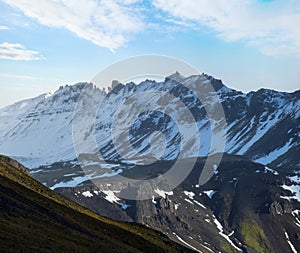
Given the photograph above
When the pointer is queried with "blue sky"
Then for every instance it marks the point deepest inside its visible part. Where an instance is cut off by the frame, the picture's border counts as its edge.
(47, 43)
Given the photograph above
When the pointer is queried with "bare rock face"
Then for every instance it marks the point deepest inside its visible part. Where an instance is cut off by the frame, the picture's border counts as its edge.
(15, 164)
(276, 208)
(279, 208)
(239, 192)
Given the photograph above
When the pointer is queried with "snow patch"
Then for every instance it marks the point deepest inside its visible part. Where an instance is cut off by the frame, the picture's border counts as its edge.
(87, 194)
(187, 200)
(187, 244)
(294, 188)
(210, 193)
(163, 193)
(189, 194)
(290, 243)
(124, 206)
(231, 233)
(272, 171)
(275, 153)
(215, 167)
(72, 183)
(199, 204)
(295, 213)
(153, 200)
(111, 197)
(220, 227)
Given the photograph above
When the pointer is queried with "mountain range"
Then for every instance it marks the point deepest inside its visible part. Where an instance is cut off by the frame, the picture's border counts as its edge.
(250, 202)
(262, 126)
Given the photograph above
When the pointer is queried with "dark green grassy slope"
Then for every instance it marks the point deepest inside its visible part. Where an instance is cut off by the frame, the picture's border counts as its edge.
(36, 219)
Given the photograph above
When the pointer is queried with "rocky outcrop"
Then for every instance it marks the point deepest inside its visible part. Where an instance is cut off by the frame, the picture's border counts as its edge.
(276, 208)
(15, 164)
(279, 208)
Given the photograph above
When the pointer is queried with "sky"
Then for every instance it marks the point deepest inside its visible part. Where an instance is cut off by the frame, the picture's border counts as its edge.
(248, 44)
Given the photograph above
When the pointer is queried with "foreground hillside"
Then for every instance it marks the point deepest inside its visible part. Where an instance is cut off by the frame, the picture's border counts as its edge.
(35, 219)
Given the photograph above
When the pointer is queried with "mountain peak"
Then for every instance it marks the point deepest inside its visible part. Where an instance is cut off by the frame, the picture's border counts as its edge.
(176, 77)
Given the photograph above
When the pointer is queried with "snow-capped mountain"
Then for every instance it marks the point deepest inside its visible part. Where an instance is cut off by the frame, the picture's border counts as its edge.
(263, 126)
(244, 202)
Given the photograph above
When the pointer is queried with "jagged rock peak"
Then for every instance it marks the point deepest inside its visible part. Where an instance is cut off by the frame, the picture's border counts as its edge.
(176, 77)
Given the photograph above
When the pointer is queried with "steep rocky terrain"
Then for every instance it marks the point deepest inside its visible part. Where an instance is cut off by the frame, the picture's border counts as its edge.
(244, 207)
(36, 219)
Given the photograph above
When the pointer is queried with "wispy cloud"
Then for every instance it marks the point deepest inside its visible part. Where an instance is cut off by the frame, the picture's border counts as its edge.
(22, 77)
(3, 27)
(106, 23)
(272, 26)
(17, 52)
(179, 22)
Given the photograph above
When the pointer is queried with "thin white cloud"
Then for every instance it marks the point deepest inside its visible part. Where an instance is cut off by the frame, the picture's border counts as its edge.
(22, 77)
(3, 27)
(272, 26)
(17, 52)
(179, 22)
(106, 23)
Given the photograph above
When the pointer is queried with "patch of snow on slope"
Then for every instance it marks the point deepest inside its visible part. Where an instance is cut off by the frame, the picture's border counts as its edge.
(124, 206)
(189, 194)
(290, 243)
(210, 193)
(231, 144)
(215, 167)
(261, 131)
(87, 194)
(153, 200)
(72, 183)
(187, 200)
(220, 227)
(187, 244)
(199, 204)
(163, 193)
(106, 174)
(295, 213)
(80, 179)
(272, 171)
(294, 188)
(111, 197)
(295, 179)
(274, 154)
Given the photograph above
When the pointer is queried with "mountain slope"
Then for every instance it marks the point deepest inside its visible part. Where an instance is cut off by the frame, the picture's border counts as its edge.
(263, 125)
(36, 219)
(244, 207)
